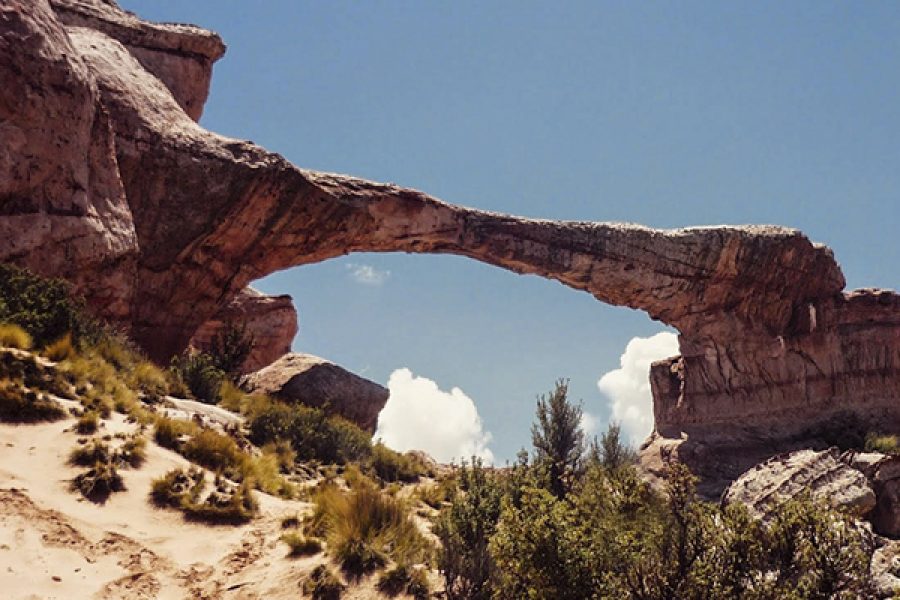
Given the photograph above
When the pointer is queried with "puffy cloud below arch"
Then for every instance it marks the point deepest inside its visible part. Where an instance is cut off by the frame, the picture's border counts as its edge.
(628, 387)
(420, 416)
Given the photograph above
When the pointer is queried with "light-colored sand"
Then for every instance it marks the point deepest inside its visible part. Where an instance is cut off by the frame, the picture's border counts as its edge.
(55, 544)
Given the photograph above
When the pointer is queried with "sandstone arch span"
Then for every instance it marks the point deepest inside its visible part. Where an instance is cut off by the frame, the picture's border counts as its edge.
(109, 180)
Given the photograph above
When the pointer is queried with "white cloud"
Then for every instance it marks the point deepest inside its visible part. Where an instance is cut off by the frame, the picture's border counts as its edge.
(588, 424)
(420, 416)
(367, 274)
(628, 387)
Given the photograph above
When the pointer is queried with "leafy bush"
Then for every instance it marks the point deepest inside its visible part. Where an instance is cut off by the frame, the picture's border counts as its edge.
(465, 529)
(886, 444)
(365, 528)
(312, 434)
(389, 465)
(199, 372)
(20, 405)
(301, 545)
(42, 307)
(230, 347)
(610, 451)
(13, 336)
(323, 584)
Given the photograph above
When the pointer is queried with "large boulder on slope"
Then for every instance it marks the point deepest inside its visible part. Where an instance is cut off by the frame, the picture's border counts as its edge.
(821, 473)
(319, 383)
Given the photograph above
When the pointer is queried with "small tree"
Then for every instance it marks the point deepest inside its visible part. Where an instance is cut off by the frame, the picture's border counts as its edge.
(558, 439)
(230, 347)
(465, 528)
(610, 452)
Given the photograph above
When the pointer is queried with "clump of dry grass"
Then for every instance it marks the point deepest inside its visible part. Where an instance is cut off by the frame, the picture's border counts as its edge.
(183, 490)
(301, 545)
(13, 336)
(88, 423)
(404, 579)
(365, 528)
(323, 584)
(21, 405)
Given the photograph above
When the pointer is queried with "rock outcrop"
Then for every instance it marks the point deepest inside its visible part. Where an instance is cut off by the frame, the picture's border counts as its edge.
(107, 179)
(314, 381)
(270, 320)
(821, 474)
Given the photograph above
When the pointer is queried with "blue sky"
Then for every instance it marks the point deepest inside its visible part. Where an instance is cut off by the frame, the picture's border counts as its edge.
(666, 114)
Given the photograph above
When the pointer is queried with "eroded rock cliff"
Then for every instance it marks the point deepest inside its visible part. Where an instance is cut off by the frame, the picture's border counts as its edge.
(107, 179)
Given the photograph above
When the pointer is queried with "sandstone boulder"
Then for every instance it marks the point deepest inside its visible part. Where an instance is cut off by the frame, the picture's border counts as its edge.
(316, 382)
(270, 320)
(821, 473)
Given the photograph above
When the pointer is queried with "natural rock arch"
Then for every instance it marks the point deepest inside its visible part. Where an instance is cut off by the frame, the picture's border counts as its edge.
(162, 223)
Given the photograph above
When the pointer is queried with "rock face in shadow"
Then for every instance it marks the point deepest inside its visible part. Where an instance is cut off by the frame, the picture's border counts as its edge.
(271, 321)
(316, 382)
(107, 179)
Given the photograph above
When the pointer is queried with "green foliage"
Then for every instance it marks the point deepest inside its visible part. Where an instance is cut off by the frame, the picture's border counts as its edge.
(465, 529)
(390, 465)
(365, 528)
(558, 439)
(200, 374)
(612, 537)
(610, 451)
(886, 444)
(42, 307)
(312, 434)
(301, 545)
(230, 347)
(13, 336)
(323, 584)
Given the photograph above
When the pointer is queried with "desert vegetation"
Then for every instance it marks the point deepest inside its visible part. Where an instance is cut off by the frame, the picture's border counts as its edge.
(564, 523)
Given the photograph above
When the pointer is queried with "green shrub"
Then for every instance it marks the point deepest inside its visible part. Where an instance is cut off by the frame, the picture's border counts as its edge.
(13, 336)
(20, 405)
(230, 347)
(201, 375)
(885, 444)
(323, 584)
(390, 465)
(465, 528)
(301, 545)
(312, 434)
(365, 528)
(42, 307)
(88, 423)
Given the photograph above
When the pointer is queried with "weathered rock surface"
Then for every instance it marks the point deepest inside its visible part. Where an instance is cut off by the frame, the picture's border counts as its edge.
(316, 382)
(823, 474)
(270, 320)
(107, 179)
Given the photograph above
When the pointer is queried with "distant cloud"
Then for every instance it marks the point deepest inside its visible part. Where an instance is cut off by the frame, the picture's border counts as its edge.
(367, 274)
(420, 416)
(628, 387)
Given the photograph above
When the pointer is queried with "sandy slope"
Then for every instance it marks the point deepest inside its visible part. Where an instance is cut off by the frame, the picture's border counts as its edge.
(54, 544)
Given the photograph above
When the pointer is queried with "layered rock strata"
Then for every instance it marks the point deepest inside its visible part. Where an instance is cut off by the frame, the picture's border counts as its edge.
(107, 179)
